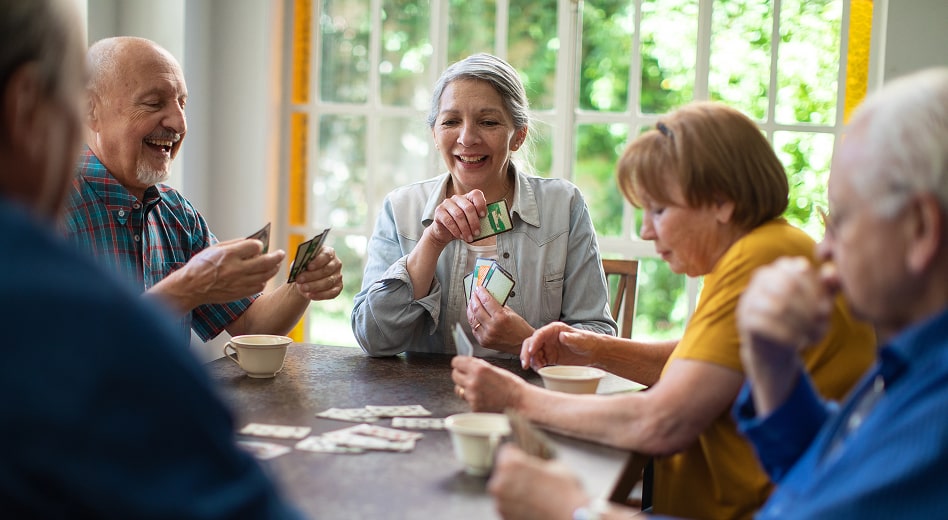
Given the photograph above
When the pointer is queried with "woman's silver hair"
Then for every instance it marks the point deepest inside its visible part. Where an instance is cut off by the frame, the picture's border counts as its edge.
(904, 131)
(493, 70)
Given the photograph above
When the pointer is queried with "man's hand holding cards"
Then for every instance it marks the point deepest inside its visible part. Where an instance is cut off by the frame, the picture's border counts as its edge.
(305, 253)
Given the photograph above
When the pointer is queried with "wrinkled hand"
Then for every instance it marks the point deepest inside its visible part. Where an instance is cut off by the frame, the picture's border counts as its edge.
(787, 305)
(526, 487)
(229, 271)
(458, 217)
(485, 387)
(321, 278)
(496, 326)
(558, 344)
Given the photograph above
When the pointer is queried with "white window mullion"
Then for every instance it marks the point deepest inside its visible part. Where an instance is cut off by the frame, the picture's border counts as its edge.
(703, 53)
(569, 33)
(501, 28)
(843, 66)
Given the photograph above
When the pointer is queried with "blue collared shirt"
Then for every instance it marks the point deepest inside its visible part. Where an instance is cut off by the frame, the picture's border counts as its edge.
(894, 464)
(551, 252)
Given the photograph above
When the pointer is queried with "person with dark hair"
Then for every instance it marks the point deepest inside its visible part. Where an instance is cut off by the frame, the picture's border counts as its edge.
(105, 412)
(120, 211)
(713, 192)
(426, 236)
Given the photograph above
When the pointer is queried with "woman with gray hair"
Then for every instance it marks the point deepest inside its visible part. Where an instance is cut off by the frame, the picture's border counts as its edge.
(427, 237)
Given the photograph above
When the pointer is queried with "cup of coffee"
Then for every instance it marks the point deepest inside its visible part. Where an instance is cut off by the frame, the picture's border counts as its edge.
(475, 437)
(260, 355)
(571, 379)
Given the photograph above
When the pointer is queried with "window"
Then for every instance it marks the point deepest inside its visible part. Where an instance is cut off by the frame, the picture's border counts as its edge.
(597, 72)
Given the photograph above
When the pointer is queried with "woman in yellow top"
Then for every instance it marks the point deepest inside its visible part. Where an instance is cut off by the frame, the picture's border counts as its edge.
(712, 191)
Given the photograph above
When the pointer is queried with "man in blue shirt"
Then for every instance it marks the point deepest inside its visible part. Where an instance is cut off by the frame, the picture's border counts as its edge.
(92, 428)
(883, 453)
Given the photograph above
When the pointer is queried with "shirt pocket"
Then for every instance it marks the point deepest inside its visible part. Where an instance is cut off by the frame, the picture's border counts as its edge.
(552, 296)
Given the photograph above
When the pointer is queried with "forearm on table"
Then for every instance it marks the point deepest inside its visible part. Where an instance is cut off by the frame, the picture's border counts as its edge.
(276, 312)
(639, 361)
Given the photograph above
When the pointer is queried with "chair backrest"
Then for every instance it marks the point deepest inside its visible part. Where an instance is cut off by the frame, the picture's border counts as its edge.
(624, 298)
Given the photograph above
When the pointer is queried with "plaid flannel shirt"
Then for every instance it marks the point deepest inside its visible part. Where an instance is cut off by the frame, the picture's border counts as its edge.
(142, 240)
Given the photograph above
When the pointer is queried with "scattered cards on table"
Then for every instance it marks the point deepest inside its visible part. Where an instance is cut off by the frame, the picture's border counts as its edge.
(489, 274)
(276, 431)
(462, 344)
(305, 253)
(264, 236)
(497, 220)
(320, 444)
(264, 450)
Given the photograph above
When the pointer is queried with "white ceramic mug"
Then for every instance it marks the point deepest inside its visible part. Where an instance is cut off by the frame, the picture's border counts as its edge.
(475, 437)
(260, 355)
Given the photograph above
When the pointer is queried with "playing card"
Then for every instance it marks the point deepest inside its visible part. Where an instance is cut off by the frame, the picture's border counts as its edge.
(498, 283)
(418, 423)
(528, 438)
(348, 414)
(414, 410)
(481, 267)
(276, 430)
(264, 450)
(321, 444)
(305, 252)
(381, 432)
(366, 442)
(496, 221)
(462, 345)
(468, 285)
(264, 236)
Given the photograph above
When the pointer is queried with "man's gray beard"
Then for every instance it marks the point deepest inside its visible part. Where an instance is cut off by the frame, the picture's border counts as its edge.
(152, 177)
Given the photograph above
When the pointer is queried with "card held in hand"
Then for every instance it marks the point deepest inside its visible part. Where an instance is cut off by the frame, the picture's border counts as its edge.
(528, 438)
(305, 253)
(461, 343)
(497, 220)
(264, 236)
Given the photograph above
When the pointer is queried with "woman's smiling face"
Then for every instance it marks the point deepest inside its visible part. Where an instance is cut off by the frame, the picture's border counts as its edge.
(475, 134)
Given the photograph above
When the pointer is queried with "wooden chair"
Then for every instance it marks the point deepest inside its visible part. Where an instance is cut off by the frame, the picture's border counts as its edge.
(638, 468)
(624, 298)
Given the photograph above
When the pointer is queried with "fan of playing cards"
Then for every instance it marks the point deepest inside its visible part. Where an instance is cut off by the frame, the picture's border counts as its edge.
(489, 274)
(305, 253)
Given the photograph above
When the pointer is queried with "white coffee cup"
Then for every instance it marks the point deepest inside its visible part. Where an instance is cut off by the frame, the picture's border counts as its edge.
(260, 355)
(571, 379)
(475, 437)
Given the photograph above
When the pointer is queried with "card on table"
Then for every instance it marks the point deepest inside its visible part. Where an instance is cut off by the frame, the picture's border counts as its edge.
(321, 444)
(348, 414)
(381, 432)
(305, 252)
(411, 410)
(419, 423)
(462, 344)
(264, 236)
(497, 220)
(368, 442)
(276, 430)
(264, 450)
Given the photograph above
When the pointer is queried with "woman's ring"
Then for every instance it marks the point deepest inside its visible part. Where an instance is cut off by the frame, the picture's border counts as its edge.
(476, 326)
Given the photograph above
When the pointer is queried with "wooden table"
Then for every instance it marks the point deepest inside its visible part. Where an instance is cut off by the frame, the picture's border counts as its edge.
(425, 483)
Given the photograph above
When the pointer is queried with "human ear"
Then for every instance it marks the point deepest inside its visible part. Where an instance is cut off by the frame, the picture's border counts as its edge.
(724, 210)
(93, 106)
(23, 101)
(519, 137)
(925, 227)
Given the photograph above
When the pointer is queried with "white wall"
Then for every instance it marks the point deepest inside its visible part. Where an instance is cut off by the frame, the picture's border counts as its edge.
(916, 35)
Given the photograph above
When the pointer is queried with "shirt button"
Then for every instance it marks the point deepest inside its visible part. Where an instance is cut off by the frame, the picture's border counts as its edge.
(121, 213)
(512, 294)
(136, 206)
(506, 255)
(138, 238)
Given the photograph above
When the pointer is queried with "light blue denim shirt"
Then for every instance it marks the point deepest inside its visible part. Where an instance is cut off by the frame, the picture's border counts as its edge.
(556, 265)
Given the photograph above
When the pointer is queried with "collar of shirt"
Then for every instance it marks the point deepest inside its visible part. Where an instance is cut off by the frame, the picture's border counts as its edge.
(524, 202)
